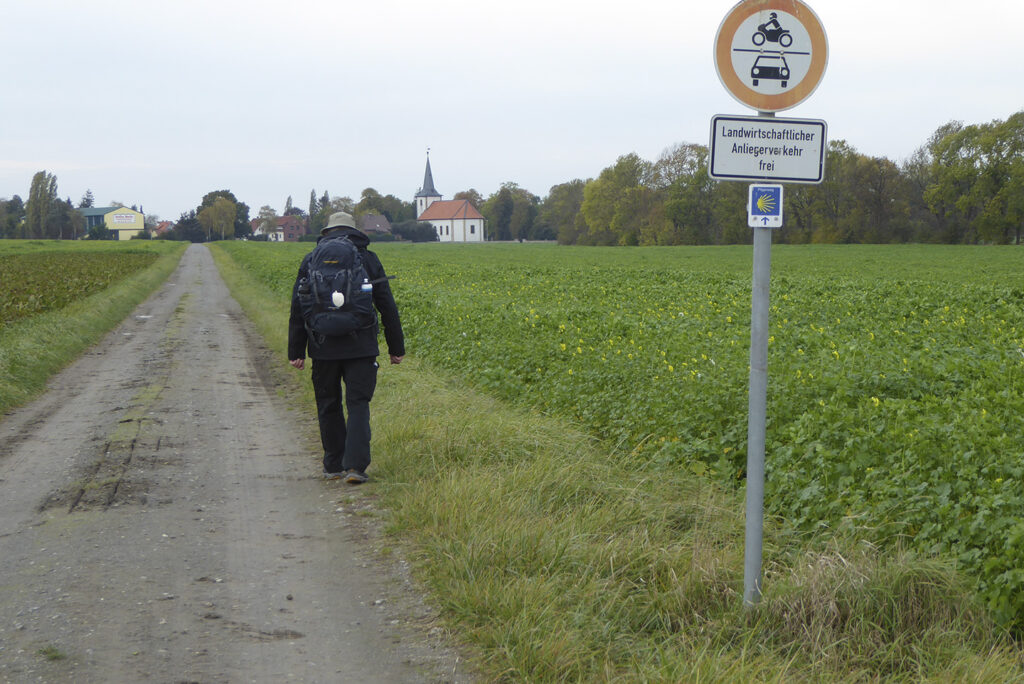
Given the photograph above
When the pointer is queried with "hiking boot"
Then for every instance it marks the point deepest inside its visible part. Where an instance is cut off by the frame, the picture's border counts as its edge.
(340, 475)
(356, 477)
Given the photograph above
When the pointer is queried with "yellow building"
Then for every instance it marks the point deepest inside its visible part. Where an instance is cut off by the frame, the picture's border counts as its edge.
(123, 222)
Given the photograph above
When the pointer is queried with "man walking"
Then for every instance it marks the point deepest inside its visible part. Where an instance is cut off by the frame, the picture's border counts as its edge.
(349, 358)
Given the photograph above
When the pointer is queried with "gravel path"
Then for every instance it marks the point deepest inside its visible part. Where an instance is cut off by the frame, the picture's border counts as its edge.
(162, 519)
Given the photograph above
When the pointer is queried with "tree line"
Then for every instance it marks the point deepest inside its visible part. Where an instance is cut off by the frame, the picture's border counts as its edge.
(400, 214)
(46, 216)
(965, 185)
(220, 215)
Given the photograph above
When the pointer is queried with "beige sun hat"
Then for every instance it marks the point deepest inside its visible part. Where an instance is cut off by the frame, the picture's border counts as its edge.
(341, 219)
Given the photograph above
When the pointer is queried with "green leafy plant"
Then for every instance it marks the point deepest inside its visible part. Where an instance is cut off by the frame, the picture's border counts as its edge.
(896, 374)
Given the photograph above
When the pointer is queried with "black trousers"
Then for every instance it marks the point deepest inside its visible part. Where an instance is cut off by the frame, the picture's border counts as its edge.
(346, 442)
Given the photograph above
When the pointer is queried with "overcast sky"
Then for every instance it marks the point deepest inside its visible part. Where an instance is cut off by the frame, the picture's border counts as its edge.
(157, 103)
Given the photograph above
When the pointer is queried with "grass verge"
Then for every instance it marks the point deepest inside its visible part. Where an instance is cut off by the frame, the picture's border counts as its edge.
(555, 561)
(33, 349)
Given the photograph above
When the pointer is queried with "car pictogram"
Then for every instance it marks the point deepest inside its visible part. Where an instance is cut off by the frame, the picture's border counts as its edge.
(771, 67)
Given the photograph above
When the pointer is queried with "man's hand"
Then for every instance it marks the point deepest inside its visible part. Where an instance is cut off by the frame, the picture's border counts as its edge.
(298, 363)
(396, 359)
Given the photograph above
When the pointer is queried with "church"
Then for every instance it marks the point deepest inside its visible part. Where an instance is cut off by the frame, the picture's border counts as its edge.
(453, 220)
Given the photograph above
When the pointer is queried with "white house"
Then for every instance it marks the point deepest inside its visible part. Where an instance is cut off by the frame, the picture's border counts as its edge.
(454, 220)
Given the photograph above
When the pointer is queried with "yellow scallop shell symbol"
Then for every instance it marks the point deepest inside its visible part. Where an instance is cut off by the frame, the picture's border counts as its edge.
(765, 204)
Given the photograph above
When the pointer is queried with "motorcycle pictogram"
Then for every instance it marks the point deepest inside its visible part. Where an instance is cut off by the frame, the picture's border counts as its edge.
(772, 32)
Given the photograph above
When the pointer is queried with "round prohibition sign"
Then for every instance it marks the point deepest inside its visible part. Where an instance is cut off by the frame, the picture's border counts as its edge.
(771, 54)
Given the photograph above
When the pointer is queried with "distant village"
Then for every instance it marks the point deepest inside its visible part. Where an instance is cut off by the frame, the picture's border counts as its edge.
(961, 187)
(427, 217)
(452, 220)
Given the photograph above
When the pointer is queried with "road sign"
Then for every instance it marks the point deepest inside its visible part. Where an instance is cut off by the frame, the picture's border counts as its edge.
(771, 54)
(761, 148)
(764, 206)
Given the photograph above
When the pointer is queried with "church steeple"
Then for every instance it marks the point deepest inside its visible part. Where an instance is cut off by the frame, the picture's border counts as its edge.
(427, 195)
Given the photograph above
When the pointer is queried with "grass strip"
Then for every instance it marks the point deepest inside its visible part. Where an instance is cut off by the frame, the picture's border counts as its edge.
(33, 349)
(556, 561)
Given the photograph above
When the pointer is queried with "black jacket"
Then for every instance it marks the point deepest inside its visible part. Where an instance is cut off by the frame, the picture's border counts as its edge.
(362, 343)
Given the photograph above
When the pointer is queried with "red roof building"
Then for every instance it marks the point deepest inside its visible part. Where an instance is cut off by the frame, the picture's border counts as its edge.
(288, 228)
(454, 220)
(375, 224)
(291, 227)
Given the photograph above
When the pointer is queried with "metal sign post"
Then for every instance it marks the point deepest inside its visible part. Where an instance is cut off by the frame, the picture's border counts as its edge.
(757, 414)
(770, 55)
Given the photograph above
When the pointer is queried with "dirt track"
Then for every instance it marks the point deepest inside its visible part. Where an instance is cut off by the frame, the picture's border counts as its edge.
(162, 519)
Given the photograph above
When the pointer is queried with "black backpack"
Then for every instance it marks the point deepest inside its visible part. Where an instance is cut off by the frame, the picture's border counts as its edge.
(336, 296)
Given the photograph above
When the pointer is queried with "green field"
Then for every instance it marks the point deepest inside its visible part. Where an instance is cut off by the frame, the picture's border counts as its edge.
(567, 471)
(58, 297)
(895, 374)
(40, 280)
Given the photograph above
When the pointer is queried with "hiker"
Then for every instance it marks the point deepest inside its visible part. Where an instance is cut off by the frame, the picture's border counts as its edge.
(323, 322)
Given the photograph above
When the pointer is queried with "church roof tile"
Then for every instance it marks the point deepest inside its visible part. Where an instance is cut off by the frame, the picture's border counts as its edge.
(446, 210)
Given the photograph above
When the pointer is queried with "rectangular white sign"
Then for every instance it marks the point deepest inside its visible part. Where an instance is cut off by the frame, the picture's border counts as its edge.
(757, 148)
